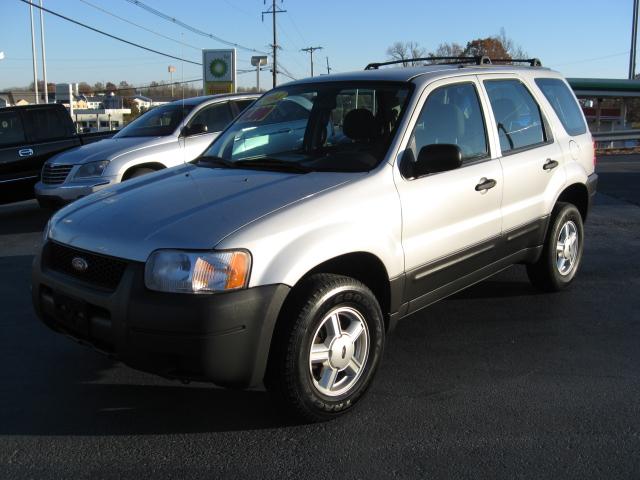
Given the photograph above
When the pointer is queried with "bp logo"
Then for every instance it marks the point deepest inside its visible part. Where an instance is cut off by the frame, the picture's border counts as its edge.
(218, 68)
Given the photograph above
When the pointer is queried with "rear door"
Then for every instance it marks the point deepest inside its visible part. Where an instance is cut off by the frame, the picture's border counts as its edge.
(48, 131)
(450, 226)
(14, 174)
(531, 160)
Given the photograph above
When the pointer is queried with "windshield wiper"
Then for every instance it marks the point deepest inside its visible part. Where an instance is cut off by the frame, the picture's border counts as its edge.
(212, 160)
(269, 163)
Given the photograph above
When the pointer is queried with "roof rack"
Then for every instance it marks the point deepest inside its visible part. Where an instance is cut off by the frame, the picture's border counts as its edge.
(477, 60)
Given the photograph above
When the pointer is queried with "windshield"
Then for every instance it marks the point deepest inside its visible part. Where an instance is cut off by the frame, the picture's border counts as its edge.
(328, 127)
(157, 122)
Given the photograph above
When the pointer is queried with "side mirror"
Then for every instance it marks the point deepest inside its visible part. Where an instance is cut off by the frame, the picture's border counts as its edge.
(194, 129)
(437, 158)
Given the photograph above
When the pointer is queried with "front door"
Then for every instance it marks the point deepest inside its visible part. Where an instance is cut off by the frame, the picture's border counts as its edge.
(451, 224)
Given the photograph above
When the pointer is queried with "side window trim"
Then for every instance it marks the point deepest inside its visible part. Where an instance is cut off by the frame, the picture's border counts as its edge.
(546, 127)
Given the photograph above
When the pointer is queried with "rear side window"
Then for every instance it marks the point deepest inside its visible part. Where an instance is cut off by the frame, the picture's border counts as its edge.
(11, 131)
(45, 124)
(518, 117)
(242, 104)
(564, 104)
(452, 114)
(215, 117)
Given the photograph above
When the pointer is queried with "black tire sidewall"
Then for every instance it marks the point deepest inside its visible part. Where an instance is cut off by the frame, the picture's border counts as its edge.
(567, 212)
(349, 294)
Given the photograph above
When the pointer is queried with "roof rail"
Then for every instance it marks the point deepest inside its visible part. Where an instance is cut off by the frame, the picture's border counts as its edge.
(477, 60)
(533, 62)
(448, 61)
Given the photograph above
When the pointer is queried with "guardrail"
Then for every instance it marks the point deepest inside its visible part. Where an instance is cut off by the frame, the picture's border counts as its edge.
(616, 135)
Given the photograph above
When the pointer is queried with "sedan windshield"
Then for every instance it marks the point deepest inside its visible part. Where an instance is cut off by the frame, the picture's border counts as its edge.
(324, 127)
(157, 122)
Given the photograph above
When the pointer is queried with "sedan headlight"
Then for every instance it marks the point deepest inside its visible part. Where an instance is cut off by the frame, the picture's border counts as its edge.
(197, 272)
(93, 169)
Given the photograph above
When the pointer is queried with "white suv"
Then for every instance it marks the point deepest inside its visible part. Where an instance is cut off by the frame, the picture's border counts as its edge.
(330, 209)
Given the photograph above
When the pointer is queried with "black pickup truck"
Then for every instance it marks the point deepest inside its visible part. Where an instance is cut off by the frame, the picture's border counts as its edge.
(29, 135)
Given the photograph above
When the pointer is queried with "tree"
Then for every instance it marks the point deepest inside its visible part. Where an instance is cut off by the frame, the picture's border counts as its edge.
(110, 87)
(490, 47)
(98, 87)
(513, 50)
(85, 89)
(405, 51)
(447, 50)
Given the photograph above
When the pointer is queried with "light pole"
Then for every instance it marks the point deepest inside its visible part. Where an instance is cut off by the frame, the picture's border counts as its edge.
(33, 54)
(44, 60)
(171, 69)
(258, 61)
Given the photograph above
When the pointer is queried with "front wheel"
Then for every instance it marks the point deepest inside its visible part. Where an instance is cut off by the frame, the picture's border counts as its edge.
(328, 347)
(562, 252)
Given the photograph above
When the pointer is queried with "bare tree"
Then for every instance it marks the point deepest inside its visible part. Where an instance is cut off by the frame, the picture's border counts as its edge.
(405, 51)
(447, 50)
(513, 50)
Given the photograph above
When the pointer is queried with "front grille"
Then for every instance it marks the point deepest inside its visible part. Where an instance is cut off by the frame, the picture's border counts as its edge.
(101, 271)
(55, 174)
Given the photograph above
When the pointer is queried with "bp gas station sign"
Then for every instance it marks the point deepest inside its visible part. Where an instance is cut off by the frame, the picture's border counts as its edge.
(219, 71)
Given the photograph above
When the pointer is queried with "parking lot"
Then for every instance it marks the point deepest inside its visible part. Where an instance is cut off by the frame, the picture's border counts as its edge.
(497, 381)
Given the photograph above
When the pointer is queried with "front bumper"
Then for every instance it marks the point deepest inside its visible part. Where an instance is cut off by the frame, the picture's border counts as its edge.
(69, 191)
(223, 338)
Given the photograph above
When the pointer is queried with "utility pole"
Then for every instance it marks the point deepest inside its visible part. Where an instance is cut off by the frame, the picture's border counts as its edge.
(328, 67)
(273, 10)
(44, 60)
(634, 39)
(33, 54)
(310, 51)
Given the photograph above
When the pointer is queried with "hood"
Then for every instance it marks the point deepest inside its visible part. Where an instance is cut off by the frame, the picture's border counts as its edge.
(187, 207)
(107, 149)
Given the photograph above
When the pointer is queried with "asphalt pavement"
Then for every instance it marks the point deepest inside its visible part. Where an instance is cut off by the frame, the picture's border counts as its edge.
(497, 381)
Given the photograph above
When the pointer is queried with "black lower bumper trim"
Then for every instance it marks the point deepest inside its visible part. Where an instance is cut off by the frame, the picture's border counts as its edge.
(223, 338)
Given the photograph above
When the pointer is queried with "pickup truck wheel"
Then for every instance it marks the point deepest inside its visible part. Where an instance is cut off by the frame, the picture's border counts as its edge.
(138, 172)
(562, 252)
(326, 353)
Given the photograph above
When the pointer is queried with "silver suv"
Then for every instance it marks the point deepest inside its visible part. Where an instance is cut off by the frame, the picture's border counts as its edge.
(329, 210)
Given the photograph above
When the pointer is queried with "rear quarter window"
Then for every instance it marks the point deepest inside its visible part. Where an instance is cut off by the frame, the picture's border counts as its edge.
(564, 104)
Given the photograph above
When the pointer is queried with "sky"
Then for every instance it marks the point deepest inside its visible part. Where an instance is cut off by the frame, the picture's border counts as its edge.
(579, 38)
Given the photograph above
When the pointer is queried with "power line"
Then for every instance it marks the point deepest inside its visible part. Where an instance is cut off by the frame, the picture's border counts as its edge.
(108, 34)
(139, 26)
(190, 28)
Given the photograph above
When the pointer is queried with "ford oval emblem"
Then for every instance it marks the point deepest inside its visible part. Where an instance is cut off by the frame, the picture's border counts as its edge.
(79, 264)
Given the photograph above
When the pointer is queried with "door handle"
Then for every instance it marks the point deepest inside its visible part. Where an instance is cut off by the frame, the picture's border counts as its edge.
(550, 164)
(25, 152)
(485, 184)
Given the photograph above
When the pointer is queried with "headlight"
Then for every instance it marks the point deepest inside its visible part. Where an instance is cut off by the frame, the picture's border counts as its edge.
(93, 169)
(197, 272)
(46, 231)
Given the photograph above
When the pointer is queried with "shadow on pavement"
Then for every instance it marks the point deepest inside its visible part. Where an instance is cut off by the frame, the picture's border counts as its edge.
(23, 217)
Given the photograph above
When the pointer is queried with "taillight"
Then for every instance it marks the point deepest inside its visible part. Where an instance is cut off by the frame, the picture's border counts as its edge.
(594, 155)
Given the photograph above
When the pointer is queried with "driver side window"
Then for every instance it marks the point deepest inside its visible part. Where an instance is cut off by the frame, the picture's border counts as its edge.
(452, 115)
(216, 117)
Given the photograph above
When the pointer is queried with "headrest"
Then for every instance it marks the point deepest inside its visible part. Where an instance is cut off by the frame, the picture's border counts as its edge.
(359, 124)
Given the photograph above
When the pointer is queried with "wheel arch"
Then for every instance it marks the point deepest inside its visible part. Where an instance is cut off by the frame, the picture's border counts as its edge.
(578, 195)
(132, 168)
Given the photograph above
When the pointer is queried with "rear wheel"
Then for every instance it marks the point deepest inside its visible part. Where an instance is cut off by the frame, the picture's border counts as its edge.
(562, 253)
(327, 349)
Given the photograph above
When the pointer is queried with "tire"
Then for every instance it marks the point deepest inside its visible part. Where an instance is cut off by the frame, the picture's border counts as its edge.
(326, 311)
(556, 269)
(138, 172)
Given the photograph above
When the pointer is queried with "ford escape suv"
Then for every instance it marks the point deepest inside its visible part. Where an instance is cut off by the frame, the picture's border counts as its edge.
(330, 209)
